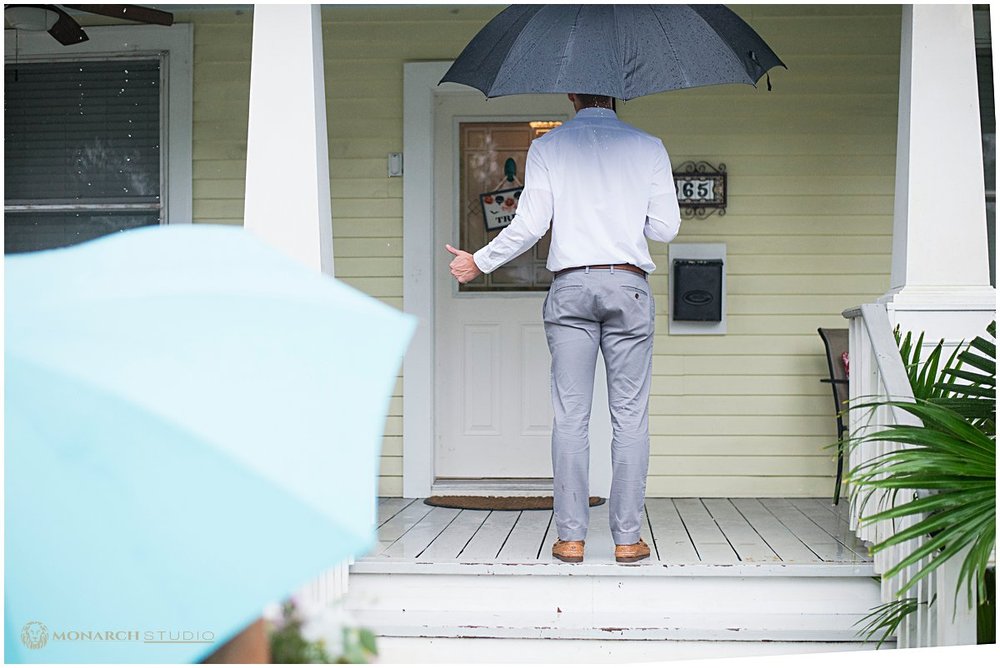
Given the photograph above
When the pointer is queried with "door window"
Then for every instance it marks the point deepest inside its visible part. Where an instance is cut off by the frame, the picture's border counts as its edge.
(484, 151)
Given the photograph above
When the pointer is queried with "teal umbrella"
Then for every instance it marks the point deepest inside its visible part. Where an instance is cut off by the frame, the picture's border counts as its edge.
(192, 431)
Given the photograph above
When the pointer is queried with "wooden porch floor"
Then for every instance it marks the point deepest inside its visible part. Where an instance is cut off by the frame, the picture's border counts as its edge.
(724, 575)
(680, 531)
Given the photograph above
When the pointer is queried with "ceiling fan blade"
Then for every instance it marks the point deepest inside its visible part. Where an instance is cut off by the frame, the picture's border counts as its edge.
(129, 12)
(66, 30)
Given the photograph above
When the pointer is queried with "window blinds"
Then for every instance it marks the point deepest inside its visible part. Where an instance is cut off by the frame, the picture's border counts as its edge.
(81, 132)
(82, 152)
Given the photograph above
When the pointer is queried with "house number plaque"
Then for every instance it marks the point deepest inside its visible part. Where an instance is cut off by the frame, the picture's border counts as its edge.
(701, 189)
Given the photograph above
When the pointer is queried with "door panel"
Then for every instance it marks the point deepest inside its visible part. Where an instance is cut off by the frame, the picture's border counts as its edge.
(536, 404)
(481, 350)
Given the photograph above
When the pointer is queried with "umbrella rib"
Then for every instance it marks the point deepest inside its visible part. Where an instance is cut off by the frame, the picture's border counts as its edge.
(764, 48)
(497, 82)
(503, 60)
(621, 53)
(565, 54)
(670, 45)
(735, 56)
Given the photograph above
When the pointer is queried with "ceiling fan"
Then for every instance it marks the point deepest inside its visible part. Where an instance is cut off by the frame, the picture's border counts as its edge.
(54, 20)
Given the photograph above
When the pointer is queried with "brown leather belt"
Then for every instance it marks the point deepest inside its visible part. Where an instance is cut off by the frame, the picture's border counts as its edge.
(623, 267)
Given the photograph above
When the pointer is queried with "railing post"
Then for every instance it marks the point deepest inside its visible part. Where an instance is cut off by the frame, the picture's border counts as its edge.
(329, 587)
(956, 622)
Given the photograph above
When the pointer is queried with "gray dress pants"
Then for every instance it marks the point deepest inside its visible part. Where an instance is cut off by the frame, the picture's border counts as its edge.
(612, 310)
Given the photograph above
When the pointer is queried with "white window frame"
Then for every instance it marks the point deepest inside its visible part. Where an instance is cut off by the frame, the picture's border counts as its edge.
(982, 23)
(174, 45)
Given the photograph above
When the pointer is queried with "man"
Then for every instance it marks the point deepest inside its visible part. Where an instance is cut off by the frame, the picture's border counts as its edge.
(603, 185)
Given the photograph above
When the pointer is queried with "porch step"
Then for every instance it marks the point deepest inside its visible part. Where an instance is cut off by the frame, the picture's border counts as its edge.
(464, 651)
(741, 603)
(787, 627)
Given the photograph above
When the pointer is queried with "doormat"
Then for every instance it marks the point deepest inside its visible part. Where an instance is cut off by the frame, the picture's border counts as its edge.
(499, 502)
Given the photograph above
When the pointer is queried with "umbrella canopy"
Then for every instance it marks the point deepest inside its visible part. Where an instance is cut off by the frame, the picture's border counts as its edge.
(192, 431)
(622, 51)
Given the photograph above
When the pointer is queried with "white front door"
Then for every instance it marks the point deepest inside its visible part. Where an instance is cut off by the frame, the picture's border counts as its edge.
(493, 415)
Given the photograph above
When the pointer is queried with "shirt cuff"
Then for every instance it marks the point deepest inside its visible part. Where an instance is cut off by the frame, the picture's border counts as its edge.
(479, 257)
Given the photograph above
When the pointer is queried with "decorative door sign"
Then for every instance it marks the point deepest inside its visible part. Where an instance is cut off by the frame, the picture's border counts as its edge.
(499, 205)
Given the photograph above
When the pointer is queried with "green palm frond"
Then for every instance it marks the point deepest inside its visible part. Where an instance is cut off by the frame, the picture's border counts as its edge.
(955, 461)
(886, 618)
(981, 412)
(924, 376)
(947, 463)
(965, 375)
(974, 399)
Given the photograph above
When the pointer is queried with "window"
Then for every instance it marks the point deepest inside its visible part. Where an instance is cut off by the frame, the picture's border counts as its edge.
(82, 156)
(988, 123)
(96, 142)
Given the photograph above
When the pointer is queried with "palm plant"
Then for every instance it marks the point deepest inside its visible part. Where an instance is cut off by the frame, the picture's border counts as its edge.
(950, 458)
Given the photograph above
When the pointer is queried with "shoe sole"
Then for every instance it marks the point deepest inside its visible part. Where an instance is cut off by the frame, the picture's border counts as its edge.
(629, 560)
(571, 560)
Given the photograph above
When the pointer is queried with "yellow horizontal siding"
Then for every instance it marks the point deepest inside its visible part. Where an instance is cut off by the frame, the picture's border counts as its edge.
(738, 425)
(797, 485)
(765, 386)
(390, 485)
(803, 344)
(668, 363)
(748, 445)
(808, 231)
(739, 465)
(221, 106)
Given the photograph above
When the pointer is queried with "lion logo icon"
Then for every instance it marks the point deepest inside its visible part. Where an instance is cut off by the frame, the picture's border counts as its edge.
(34, 635)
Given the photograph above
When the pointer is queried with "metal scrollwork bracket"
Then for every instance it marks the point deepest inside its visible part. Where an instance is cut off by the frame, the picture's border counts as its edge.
(701, 189)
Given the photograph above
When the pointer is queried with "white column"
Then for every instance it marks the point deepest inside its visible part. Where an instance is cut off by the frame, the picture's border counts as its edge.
(288, 172)
(940, 274)
(288, 169)
(940, 270)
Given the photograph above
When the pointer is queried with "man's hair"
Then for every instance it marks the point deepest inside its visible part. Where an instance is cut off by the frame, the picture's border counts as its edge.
(588, 100)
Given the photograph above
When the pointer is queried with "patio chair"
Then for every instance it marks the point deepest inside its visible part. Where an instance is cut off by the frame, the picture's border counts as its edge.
(836, 341)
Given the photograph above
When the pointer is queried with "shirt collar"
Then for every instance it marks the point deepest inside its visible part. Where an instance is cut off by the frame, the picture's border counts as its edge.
(596, 112)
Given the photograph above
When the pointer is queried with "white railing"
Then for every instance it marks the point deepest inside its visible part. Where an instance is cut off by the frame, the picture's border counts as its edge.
(329, 587)
(877, 373)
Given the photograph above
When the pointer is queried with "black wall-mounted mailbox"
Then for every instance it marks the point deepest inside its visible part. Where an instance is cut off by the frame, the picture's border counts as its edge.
(698, 290)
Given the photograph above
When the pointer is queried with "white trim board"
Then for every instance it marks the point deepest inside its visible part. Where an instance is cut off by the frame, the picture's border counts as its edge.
(419, 82)
(177, 44)
(695, 252)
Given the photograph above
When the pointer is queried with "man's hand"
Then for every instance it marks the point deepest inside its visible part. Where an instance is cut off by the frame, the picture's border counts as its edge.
(463, 267)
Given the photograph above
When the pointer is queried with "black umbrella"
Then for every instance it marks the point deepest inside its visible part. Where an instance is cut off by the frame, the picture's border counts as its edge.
(622, 51)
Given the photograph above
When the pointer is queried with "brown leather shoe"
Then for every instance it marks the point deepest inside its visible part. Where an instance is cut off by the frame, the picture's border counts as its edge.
(568, 550)
(626, 554)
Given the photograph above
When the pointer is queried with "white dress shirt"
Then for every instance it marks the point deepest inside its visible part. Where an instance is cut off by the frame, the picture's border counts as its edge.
(603, 185)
